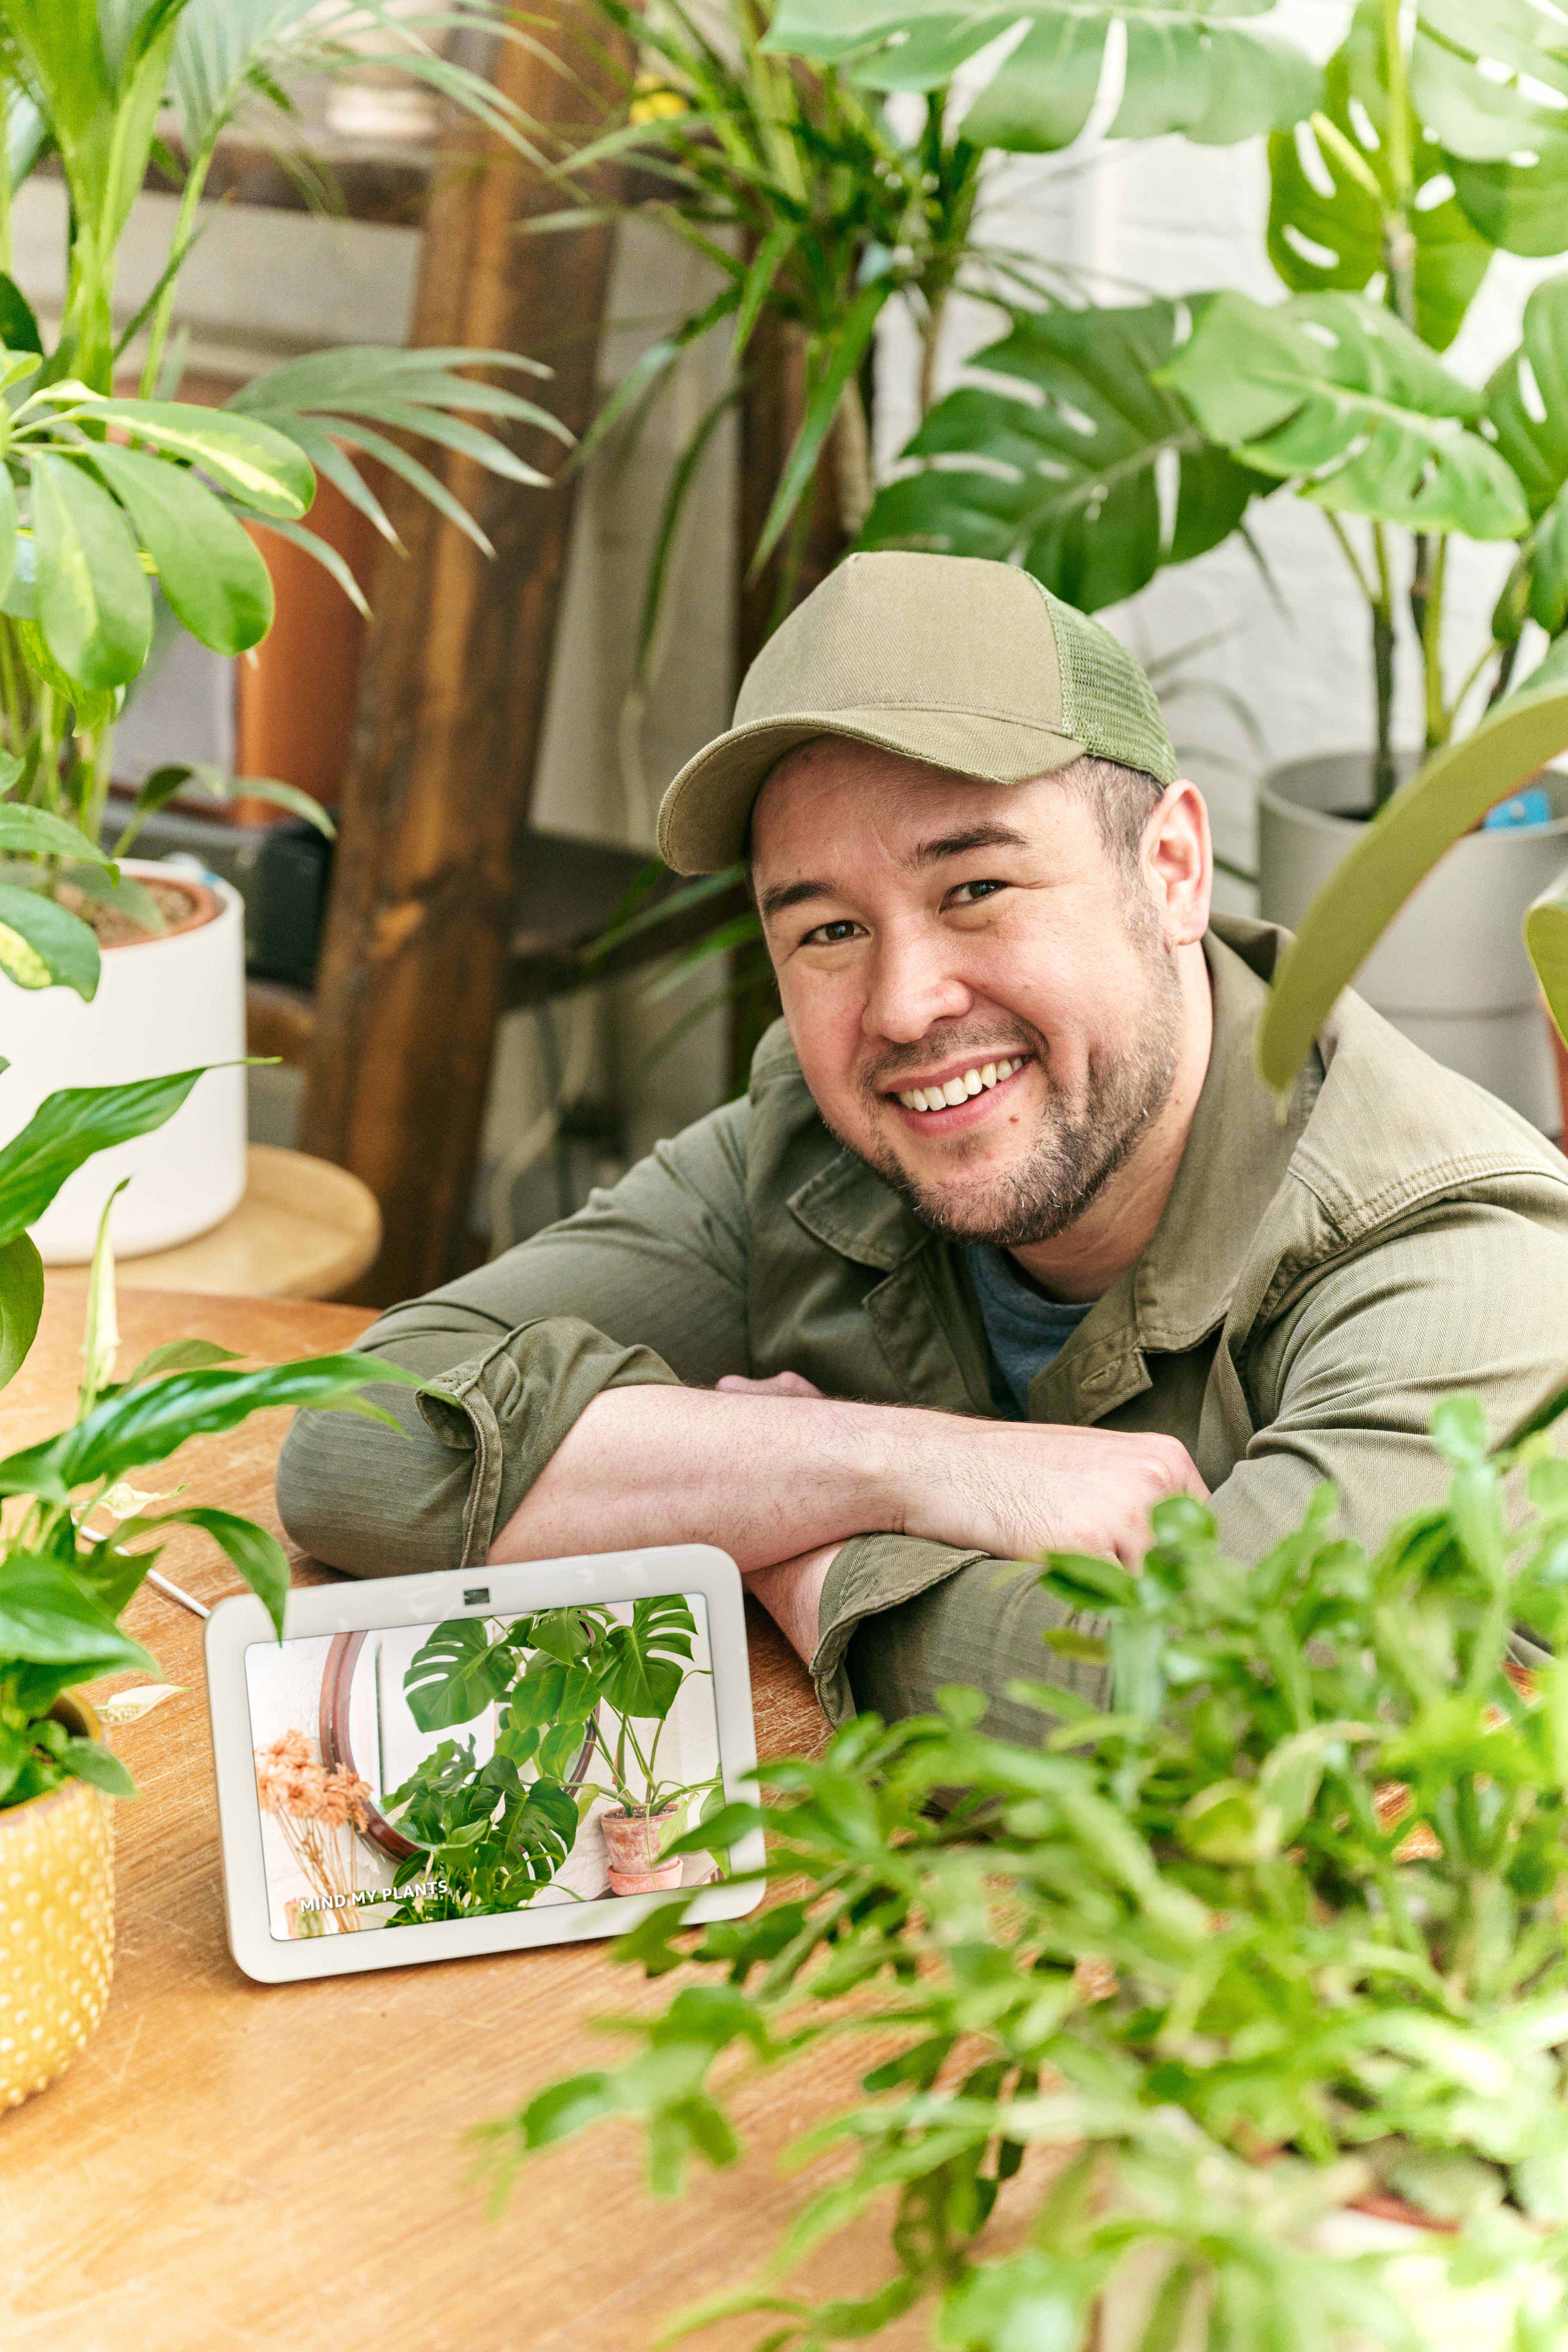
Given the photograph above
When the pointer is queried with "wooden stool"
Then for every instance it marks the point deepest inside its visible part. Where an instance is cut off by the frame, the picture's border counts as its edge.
(305, 1229)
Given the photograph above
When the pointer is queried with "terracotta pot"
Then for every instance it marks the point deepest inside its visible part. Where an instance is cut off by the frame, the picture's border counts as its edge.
(56, 1924)
(634, 1842)
(176, 1003)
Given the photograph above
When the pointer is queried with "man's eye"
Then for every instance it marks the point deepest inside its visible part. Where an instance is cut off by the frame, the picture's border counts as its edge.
(830, 935)
(969, 894)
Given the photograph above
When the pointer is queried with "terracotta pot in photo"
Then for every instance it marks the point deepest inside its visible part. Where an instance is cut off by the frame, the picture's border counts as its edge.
(57, 1923)
(634, 1842)
(164, 1003)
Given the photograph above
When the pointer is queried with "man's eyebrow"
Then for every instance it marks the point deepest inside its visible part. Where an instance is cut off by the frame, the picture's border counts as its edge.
(784, 895)
(968, 837)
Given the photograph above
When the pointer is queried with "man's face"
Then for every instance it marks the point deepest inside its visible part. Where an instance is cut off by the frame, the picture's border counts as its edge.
(984, 1001)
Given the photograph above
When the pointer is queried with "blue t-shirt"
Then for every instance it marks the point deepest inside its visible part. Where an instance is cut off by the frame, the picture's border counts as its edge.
(1023, 1330)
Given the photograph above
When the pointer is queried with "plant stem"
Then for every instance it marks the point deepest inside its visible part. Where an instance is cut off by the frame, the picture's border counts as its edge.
(1439, 718)
(158, 327)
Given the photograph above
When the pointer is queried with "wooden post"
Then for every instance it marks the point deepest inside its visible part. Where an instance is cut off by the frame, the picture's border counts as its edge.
(452, 705)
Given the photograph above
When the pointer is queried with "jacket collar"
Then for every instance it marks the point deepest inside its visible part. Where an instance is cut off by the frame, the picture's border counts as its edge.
(1235, 1157)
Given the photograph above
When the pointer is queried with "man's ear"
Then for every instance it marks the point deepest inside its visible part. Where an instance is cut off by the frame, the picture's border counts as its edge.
(1178, 862)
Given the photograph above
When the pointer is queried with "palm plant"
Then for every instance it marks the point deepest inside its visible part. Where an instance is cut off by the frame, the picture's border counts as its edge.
(102, 495)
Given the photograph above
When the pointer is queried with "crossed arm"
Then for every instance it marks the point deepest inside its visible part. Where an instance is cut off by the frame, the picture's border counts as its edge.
(780, 1476)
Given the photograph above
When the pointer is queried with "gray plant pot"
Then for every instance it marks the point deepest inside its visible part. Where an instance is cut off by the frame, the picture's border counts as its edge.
(1450, 971)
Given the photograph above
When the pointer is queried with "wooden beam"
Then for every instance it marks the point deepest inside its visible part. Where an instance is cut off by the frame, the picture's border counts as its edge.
(453, 698)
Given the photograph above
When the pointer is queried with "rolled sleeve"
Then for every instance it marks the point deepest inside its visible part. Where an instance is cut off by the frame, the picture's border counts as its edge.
(901, 1618)
(647, 1285)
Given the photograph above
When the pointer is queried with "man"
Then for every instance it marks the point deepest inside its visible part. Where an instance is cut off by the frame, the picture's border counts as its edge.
(1007, 1242)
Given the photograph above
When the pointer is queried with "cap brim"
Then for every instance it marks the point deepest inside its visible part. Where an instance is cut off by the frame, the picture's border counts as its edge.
(703, 817)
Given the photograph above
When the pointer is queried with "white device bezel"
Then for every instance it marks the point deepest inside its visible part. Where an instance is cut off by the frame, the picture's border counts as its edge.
(511, 1588)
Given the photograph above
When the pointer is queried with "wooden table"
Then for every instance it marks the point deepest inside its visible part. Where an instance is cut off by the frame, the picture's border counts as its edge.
(234, 2168)
(304, 1230)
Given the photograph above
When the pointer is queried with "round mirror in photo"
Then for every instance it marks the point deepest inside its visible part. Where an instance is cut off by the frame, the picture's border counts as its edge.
(484, 1765)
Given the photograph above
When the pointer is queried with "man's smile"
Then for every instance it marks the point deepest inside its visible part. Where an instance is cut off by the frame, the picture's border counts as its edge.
(959, 1096)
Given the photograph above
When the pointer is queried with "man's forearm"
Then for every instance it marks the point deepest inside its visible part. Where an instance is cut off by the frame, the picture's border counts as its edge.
(764, 1477)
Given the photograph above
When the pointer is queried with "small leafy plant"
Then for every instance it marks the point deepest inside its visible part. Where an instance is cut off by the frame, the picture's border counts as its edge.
(79, 1539)
(567, 1683)
(1279, 1929)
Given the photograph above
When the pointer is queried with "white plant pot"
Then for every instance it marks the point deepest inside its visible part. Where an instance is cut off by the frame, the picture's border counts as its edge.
(1445, 2318)
(162, 1004)
(1450, 971)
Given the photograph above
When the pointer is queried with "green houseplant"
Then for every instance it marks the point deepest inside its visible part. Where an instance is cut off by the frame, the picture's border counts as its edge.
(78, 1543)
(119, 501)
(568, 1683)
(1197, 2016)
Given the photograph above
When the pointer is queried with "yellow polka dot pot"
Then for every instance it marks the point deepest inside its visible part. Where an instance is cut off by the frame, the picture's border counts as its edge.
(57, 1924)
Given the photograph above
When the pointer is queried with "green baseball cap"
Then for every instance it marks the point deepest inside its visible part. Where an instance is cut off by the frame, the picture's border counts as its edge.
(970, 666)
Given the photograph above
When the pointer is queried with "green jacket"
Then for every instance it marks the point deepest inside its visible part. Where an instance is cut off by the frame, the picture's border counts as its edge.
(1315, 1284)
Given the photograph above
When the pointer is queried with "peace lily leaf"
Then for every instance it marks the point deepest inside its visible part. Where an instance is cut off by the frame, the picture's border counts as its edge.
(1334, 237)
(1063, 475)
(208, 565)
(67, 1129)
(146, 1423)
(1451, 793)
(21, 1302)
(260, 467)
(46, 1619)
(1492, 84)
(257, 1555)
(43, 946)
(177, 1356)
(89, 1760)
(1188, 68)
(1331, 391)
(95, 608)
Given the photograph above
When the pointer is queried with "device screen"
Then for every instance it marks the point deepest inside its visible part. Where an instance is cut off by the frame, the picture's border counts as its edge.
(485, 1764)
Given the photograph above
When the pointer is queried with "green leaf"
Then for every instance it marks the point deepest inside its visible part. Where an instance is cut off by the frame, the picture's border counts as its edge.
(36, 833)
(258, 1555)
(1527, 408)
(462, 1669)
(46, 1619)
(1337, 238)
(1330, 391)
(1491, 84)
(8, 526)
(1188, 68)
(179, 1356)
(19, 328)
(95, 608)
(21, 1302)
(646, 1662)
(144, 1425)
(208, 565)
(1441, 803)
(89, 1760)
(67, 1129)
(327, 556)
(43, 946)
(1064, 474)
(248, 460)
(844, 356)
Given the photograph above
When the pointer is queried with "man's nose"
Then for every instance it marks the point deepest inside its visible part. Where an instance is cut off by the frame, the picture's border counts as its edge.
(913, 986)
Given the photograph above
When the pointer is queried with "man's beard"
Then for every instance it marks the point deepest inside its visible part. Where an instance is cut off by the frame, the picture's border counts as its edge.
(1079, 1148)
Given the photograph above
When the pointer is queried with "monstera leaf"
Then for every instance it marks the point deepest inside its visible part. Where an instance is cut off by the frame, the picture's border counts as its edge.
(1189, 67)
(1058, 469)
(1527, 409)
(1491, 82)
(1331, 192)
(1330, 391)
(1449, 795)
(644, 1663)
(462, 1669)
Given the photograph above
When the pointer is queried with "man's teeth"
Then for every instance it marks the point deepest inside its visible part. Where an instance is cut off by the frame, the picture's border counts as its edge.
(973, 1082)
